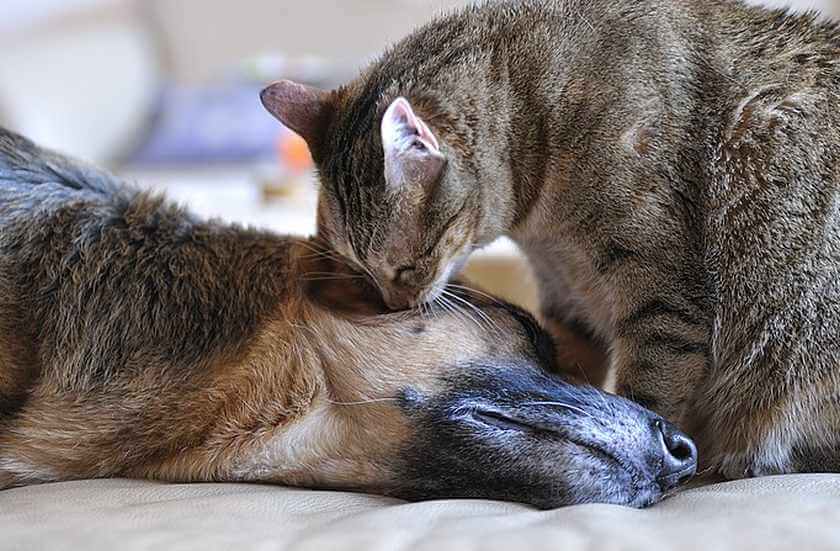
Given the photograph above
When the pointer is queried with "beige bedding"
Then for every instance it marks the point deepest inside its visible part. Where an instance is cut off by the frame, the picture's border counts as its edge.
(790, 512)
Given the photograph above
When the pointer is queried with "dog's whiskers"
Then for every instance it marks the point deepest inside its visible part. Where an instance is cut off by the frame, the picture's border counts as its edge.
(363, 402)
(561, 405)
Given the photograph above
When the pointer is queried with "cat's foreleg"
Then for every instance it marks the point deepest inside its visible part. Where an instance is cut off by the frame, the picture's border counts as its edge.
(660, 354)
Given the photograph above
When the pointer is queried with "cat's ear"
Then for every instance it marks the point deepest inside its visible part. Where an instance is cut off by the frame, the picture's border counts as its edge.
(412, 152)
(304, 109)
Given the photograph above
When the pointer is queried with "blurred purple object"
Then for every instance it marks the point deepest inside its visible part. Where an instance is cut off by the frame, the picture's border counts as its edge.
(218, 123)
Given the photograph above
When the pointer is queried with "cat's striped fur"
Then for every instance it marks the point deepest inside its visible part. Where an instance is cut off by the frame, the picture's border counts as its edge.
(670, 167)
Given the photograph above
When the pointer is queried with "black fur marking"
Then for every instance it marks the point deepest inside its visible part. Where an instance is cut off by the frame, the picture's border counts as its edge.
(542, 341)
(657, 308)
(613, 256)
(497, 434)
(582, 330)
(676, 344)
(816, 459)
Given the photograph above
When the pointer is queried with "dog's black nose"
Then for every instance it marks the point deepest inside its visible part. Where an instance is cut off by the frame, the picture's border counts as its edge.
(679, 456)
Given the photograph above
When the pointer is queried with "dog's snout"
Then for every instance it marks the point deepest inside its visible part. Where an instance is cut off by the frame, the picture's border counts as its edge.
(679, 455)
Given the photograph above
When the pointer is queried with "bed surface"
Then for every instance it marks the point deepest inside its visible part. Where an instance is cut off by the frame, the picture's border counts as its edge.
(789, 512)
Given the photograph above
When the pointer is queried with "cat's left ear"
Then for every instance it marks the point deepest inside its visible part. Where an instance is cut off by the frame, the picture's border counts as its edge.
(304, 109)
(412, 152)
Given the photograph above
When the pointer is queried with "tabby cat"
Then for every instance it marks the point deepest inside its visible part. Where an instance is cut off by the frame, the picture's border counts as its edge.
(671, 169)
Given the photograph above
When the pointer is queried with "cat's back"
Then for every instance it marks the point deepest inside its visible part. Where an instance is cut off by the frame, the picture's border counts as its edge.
(458, 36)
(772, 186)
(780, 116)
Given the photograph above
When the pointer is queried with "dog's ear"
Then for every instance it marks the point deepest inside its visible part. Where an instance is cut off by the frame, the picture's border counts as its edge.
(306, 110)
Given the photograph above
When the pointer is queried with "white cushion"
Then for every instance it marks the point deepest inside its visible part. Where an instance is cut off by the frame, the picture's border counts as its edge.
(790, 512)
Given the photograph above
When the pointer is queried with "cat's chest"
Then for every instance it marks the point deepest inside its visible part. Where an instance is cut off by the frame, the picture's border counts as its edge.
(571, 287)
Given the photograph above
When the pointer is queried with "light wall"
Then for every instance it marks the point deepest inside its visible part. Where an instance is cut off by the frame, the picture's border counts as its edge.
(207, 36)
(204, 38)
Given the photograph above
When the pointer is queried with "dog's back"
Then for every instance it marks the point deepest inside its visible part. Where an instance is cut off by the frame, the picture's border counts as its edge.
(79, 250)
(107, 292)
(34, 186)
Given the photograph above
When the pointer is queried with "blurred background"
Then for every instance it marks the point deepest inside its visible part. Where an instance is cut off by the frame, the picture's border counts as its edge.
(165, 91)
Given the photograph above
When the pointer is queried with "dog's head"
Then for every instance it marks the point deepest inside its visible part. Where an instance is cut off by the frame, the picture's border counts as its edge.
(459, 400)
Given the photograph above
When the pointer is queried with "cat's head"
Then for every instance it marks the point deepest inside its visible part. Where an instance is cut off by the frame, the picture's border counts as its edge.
(395, 197)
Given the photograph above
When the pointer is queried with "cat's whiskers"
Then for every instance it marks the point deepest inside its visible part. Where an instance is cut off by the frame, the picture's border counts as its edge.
(315, 249)
(475, 291)
(490, 324)
(425, 311)
(364, 269)
(360, 267)
(320, 251)
(327, 255)
(481, 322)
(448, 307)
(330, 254)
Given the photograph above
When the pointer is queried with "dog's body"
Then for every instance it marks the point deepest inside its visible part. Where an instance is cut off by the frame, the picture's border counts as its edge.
(137, 340)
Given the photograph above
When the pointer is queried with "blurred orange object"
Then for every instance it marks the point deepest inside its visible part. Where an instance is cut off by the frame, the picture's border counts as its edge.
(293, 152)
(290, 178)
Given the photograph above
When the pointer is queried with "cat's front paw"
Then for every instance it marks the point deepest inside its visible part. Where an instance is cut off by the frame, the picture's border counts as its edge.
(736, 466)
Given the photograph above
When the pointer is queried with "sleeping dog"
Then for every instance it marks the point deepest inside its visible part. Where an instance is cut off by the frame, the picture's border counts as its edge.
(138, 340)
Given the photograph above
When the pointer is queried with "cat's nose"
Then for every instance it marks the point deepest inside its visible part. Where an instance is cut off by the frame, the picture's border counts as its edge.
(402, 288)
(406, 276)
(400, 298)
